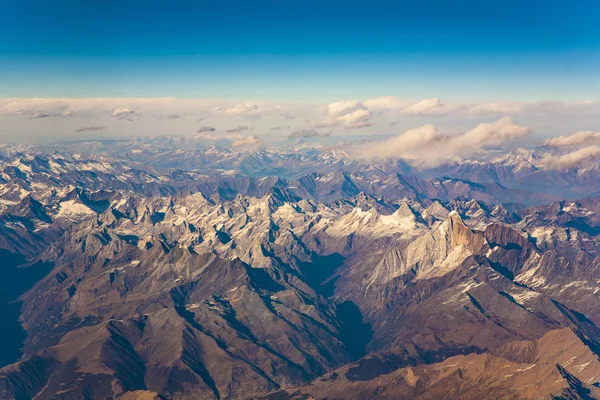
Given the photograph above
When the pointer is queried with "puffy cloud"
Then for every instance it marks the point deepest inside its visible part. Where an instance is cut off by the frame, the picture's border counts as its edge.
(406, 145)
(425, 107)
(356, 119)
(386, 103)
(266, 109)
(573, 158)
(122, 113)
(239, 128)
(344, 107)
(427, 146)
(248, 141)
(577, 138)
(241, 109)
(91, 129)
(348, 113)
(206, 129)
(490, 134)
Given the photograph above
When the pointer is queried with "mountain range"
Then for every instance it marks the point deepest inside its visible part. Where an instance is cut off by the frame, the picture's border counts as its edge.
(156, 268)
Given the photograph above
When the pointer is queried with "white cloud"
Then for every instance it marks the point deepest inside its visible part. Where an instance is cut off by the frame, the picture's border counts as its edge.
(241, 109)
(348, 113)
(427, 146)
(433, 106)
(32, 105)
(355, 119)
(577, 138)
(573, 158)
(436, 107)
(46, 117)
(122, 113)
(171, 105)
(407, 145)
(344, 107)
(155, 106)
(490, 134)
(425, 107)
(248, 141)
(386, 103)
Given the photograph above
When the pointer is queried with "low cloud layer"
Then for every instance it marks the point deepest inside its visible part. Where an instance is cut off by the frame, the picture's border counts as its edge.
(47, 119)
(437, 108)
(576, 139)
(427, 146)
(248, 141)
(353, 110)
(572, 159)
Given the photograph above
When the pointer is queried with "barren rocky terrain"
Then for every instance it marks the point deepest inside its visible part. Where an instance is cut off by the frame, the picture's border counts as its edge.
(208, 274)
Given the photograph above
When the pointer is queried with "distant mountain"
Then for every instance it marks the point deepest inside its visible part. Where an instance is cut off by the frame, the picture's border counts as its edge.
(525, 169)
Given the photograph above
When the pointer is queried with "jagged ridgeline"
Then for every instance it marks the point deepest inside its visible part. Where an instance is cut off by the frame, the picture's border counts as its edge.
(204, 274)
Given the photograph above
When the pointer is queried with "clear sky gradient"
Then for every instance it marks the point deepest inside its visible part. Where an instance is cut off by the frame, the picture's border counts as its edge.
(301, 50)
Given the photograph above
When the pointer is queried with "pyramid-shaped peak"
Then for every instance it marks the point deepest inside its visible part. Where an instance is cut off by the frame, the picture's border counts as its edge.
(405, 210)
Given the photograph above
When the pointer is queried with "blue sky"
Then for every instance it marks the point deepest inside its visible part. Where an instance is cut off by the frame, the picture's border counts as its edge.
(301, 50)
